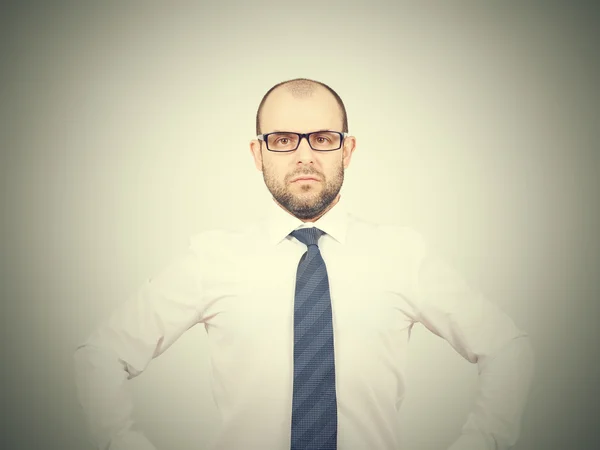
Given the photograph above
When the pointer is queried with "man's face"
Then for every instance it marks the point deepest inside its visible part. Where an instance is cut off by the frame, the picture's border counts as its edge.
(284, 112)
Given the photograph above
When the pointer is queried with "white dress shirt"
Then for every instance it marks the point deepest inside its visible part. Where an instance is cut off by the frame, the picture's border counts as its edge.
(240, 284)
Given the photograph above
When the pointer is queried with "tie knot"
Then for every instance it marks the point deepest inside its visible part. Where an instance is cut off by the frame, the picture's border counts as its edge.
(308, 236)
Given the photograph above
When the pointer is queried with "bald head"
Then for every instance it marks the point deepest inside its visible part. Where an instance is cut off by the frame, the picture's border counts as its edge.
(302, 88)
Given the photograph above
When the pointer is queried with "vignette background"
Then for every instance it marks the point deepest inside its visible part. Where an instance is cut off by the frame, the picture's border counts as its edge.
(125, 127)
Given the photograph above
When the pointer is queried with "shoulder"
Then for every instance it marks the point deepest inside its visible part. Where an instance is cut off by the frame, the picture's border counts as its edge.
(395, 237)
(228, 237)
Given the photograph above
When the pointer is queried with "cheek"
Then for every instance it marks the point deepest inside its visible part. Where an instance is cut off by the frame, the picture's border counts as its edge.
(333, 168)
(276, 169)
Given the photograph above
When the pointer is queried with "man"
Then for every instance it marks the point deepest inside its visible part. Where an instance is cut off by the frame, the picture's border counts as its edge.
(308, 312)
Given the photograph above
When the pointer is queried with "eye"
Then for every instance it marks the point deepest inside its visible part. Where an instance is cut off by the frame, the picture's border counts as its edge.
(282, 141)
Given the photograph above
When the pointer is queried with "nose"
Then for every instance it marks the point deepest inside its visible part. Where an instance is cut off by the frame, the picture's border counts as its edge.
(304, 153)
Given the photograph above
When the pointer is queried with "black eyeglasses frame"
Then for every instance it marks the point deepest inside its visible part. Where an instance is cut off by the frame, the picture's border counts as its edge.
(264, 138)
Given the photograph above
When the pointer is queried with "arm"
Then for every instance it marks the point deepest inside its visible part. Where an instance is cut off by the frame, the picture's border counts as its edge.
(121, 348)
(482, 334)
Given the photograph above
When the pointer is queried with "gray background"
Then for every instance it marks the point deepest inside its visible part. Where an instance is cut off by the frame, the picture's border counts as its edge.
(125, 127)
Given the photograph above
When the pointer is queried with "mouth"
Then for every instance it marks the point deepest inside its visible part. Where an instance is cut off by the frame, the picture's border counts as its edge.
(304, 178)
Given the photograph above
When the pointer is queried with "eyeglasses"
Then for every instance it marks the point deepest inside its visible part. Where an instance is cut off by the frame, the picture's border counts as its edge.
(322, 141)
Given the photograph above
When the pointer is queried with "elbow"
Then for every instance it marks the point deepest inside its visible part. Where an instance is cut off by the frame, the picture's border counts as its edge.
(517, 352)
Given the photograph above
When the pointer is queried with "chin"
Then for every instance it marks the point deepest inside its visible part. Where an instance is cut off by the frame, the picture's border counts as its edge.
(307, 199)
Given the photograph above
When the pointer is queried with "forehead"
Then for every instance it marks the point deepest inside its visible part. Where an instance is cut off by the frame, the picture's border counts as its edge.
(286, 112)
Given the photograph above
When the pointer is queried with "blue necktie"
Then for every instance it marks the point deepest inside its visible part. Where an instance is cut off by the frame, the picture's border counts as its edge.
(314, 403)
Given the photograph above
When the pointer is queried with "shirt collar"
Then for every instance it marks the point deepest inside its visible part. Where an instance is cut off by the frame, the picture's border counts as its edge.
(281, 223)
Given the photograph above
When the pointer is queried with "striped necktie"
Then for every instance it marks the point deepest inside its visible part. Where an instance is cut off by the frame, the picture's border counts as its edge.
(314, 403)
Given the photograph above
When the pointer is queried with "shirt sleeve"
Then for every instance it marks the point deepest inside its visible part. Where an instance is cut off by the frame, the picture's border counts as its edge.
(140, 329)
(483, 334)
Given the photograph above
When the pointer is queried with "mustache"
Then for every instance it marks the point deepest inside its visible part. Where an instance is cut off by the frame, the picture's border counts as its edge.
(307, 174)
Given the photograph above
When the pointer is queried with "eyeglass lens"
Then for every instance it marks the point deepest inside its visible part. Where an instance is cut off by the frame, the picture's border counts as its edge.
(325, 140)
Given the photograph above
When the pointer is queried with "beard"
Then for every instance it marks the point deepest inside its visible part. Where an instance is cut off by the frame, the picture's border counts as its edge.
(309, 203)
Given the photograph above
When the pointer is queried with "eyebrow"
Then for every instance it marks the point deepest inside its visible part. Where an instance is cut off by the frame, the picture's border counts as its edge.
(286, 131)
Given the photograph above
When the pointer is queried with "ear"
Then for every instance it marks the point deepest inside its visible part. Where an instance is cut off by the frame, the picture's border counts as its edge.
(348, 149)
(255, 149)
